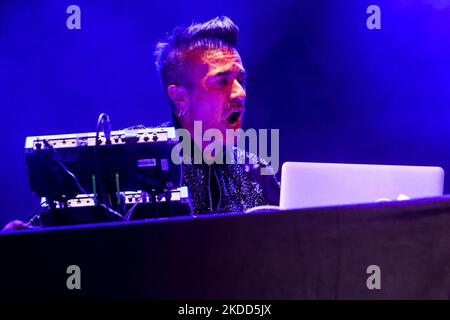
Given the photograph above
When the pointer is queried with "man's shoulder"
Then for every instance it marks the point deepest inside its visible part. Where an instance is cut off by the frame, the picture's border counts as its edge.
(243, 156)
(262, 173)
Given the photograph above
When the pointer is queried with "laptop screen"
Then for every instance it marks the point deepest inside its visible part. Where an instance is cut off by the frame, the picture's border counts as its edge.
(305, 184)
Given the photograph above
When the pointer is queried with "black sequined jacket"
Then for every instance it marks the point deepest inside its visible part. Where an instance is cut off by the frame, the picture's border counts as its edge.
(235, 187)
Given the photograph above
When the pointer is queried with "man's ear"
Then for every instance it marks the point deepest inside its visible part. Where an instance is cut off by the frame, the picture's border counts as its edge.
(179, 97)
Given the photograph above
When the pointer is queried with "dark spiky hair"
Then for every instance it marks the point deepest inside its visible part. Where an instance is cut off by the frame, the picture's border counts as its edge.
(173, 52)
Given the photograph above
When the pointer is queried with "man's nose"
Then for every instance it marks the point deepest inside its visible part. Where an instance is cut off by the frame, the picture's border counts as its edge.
(238, 92)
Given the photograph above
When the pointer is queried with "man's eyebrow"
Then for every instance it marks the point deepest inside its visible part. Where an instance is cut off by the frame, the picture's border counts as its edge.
(227, 73)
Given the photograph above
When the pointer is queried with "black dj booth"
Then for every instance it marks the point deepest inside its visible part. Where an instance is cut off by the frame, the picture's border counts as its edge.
(323, 253)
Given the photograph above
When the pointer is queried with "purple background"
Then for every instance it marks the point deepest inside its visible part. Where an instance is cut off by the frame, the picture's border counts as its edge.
(337, 91)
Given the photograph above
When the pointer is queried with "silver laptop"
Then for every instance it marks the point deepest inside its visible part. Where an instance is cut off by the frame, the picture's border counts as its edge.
(306, 185)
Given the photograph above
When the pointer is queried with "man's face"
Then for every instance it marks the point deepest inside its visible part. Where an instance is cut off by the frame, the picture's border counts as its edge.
(217, 92)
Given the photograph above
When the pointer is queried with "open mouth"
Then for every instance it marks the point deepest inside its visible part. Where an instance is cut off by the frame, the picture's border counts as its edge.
(234, 117)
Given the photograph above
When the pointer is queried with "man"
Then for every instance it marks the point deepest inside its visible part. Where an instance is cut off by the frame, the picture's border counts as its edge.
(204, 79)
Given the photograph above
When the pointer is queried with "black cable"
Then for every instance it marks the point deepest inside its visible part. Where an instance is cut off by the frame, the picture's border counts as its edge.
(103, 122)
(130, 212)
(33, 214)
(83, 191)
(220, 191)
(209, 190)
(217, 184)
